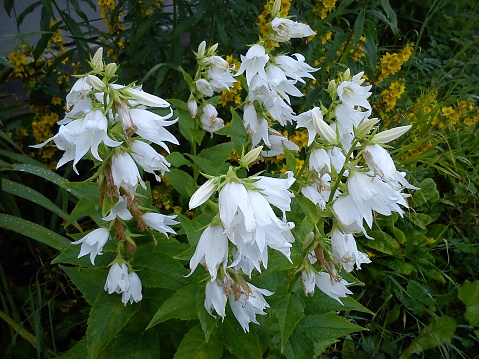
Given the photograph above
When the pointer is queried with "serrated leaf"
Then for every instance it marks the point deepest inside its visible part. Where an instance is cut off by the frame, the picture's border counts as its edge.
(382, 242)
(34, 231)
(289, 309)
(108, 316)
(194, 346)
(177, 159)
(181, 305)
(243, 345)
(160, 270)
(440, 331)
(89, 281)
(181, 181)
(468, 293)
(315, 333)
(135, 343)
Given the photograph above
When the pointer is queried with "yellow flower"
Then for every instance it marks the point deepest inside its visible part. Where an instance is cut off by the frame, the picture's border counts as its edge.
(390, 95)
(391, 63)
(56, 100)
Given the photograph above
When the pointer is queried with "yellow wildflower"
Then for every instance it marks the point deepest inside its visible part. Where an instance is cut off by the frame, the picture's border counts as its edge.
(391, 63)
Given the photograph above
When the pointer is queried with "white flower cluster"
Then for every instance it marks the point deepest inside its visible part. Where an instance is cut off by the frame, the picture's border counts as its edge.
(112, 122)
(213, 75)
(335, 177)
(247, 225)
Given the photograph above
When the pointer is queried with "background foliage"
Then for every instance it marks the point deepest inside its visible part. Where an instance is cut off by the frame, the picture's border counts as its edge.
(421, 291)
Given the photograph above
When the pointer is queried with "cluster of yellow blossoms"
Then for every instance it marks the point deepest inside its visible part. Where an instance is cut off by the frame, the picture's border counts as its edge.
(390, 95)
(391, 63)
(324, 7)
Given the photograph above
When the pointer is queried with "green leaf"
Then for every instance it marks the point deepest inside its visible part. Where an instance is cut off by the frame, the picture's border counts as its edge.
(289, 309)
(177, 159)
(382, 242)
(315, 333)
(194, 346)
(243, 345)
(85, 208)
(79, 350)
(135, 343)
(108, 316)
(34, 231)
(208, 166)
(160, 270)
(181, 181)
(440, 331)
(181, 305)
(468, 293)
(321, 303)
(89, 281)
(358, 26)
(419, 219)
(427, 194)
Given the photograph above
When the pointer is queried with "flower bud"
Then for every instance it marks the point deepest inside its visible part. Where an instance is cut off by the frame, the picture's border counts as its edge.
(332, 86)
(323, 128)
(365, 127)
(201, 49)
(192, 107)
(276, 8)
(97, 61)
(95, 82)
(110, 69)
(251, 156)
(204, 87)
(390, 135)
(202, 194)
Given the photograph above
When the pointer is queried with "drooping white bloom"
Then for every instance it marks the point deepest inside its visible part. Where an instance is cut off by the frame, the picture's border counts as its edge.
(308, 281)
(280, 84)
(332, 288)
(295, 69)
(348, 119)
(318, 193)
(256, 126)
(215, 296)
(286, 29)
(250, 303)
(117, 279)
(150, 160)
(151, 127)
(125, 173)
(93, 243)
(219, 73)
(373, 194)
(353, 94)
(80, 89)
(349, 217)
(119, 210)
(78, 137)
(254, 63)
(319, 161)
(305, 120)
(211, 250)
(192, 107)
(345, 252)
(277, 143)
(133, 293)
(276, 190)
(204, 87)
(381, 163)
(210, 121)
(160, 222)
(323, 128)
(202, 194)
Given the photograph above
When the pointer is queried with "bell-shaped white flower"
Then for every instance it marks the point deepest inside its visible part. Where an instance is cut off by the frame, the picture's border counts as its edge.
(202, 194)
(125, 173)
(295, 68)
(151, 127)
(215, 297)
(381, 163)
(332, 288)
(345, 252)
(254, 63)
(256, 126)
(308, 281)
(277, 143)
(210, 121)
(93, 243)
(148, 159)
(348, 215)
(353, 94)
(249, 303)
(319, 161)
(204, 87)
(160, 222)
(117, 279)
(211, 250)
(305, 120)
(276, 190)
(119, 210)
(133, 293)
(80, 89)
(286, 29)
